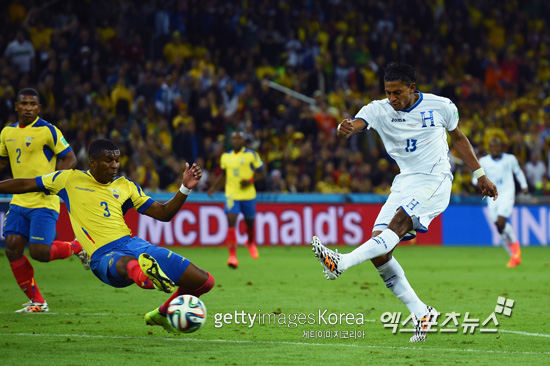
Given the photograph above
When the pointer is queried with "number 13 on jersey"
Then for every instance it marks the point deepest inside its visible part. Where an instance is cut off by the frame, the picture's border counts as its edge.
(411, 145)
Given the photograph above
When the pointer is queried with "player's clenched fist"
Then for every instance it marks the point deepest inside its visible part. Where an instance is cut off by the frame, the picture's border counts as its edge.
(345, 129)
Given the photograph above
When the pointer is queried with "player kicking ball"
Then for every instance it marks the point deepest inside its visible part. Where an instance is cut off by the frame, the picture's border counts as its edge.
(97, 200)
(413, 127)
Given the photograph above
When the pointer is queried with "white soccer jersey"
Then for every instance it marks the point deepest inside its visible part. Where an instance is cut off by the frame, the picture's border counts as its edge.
(501, 172)
(416, 138)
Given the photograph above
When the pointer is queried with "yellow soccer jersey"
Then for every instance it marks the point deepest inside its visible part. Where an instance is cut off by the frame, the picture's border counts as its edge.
(238, 166)
(33, 151)
(96, 210)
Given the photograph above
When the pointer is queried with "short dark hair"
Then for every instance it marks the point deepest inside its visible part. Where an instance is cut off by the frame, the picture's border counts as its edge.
(400, 71)
(28, 91)
(96, 148)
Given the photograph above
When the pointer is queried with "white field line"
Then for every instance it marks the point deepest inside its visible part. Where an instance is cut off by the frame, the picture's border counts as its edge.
(332, 346)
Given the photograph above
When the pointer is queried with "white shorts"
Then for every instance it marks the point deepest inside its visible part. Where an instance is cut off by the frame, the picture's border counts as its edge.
(503, 206)
(422, 196)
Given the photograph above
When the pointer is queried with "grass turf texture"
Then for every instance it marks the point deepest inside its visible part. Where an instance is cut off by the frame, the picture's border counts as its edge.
(92, 323)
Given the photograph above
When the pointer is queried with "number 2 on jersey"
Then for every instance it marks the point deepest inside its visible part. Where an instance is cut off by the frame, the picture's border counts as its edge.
(411, 145)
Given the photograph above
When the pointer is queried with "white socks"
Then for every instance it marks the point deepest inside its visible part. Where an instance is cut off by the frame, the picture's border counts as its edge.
(508, 238)
(394, 277)
(372, 248)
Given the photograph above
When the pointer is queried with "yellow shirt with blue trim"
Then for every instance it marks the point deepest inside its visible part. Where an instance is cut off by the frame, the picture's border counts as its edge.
(32, 151)
(96, 210)
(238, 166)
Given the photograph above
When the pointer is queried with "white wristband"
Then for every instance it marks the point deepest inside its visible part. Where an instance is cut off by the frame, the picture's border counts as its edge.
(185, 190)
(479, 173)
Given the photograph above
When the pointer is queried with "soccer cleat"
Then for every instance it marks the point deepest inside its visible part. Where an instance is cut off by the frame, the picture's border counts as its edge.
(516, 255)
(156, 318)
(422, 327)
(329, 259)
(253, 250)
(83, 256)
(514, 261)
(151, 268)
(232, 261)
(34, 307)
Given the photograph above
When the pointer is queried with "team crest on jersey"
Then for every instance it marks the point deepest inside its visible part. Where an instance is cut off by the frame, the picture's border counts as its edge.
(116, 193)
(28, 140)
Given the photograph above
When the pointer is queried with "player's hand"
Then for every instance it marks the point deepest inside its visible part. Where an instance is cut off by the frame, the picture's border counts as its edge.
(191, 176)
(487, 187)
(344, 129)
(525, 191)
(245, 183)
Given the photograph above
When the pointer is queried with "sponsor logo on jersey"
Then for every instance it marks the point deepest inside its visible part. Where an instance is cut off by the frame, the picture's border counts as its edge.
(398, 120)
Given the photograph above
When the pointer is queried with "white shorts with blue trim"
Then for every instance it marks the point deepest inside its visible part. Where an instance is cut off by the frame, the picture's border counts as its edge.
(422, 196)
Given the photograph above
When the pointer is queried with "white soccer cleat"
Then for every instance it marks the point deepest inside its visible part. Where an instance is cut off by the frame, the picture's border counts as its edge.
(329, 259)
(422, 327)
(34, 307)
(84, 259)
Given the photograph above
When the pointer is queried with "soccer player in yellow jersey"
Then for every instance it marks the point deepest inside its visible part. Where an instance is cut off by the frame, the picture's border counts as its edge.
(97, 200)
(240, 167)
(34, 147)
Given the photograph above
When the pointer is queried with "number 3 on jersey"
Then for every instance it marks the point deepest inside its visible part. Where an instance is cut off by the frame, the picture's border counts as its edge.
(106, 207)
(411, 145)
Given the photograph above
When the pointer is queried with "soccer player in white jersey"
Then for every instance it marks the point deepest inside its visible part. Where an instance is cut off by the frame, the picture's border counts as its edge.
(413, 127)
(501, 168)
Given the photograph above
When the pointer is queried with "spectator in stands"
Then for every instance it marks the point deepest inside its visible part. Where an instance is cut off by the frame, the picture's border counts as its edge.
(20, 53)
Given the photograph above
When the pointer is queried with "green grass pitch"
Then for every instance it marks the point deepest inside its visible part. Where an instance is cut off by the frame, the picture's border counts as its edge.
(91, 324)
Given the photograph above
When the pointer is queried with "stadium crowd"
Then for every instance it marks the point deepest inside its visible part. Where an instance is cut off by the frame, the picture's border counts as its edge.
(169, 81)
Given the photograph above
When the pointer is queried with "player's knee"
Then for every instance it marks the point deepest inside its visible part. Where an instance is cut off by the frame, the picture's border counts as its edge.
(14, 253)
(39, 252)
(500, 227)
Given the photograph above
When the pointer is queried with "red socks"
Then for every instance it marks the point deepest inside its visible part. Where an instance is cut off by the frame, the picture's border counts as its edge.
(24, 275)
(136, 274)
(64, 249)
(231, 241)
(250, 234)
(206, 286)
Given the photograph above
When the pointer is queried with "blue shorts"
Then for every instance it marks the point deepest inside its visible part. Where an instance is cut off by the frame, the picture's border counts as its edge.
(248, 208)
(104, 259)
(36, 224)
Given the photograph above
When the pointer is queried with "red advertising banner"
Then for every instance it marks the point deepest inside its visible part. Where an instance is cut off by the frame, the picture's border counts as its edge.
(199, 224)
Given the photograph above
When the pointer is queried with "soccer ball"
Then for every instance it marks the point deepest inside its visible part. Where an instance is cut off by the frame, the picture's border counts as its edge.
(186, 313)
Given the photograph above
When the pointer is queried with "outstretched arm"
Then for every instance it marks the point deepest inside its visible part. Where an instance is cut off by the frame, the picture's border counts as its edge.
(20, 185)
(348, 127)
(467, 154)
(167, 210)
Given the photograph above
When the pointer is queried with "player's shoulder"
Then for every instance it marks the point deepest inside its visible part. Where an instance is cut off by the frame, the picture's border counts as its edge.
(42, 123)
(508, 156)
(250, 151)
(435, 99)
(485, 158)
